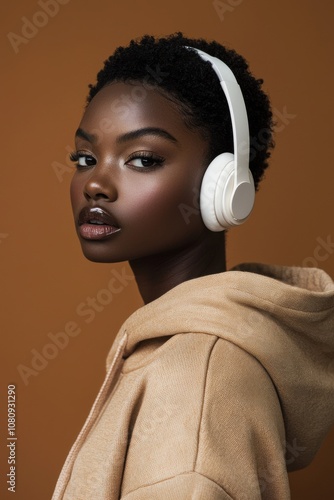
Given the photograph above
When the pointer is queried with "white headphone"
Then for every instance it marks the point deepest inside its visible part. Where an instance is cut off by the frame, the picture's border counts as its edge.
(227, 190)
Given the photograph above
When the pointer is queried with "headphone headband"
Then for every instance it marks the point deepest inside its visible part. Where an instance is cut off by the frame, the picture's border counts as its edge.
(238, 113)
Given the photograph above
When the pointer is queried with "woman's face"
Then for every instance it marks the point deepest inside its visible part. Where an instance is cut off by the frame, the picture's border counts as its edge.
(139, 169)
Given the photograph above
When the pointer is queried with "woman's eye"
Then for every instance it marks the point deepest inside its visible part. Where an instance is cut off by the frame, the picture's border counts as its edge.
(145, 161)
(82, 160)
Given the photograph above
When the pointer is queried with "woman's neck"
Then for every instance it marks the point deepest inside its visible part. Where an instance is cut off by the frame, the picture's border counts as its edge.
(156, 275)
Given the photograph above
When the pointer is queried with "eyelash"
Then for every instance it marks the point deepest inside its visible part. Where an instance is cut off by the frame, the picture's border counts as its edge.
(145, 155)
(158, 161)
(75, 156)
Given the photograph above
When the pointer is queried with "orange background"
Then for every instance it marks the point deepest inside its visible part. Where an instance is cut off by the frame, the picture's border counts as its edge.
(44, 277)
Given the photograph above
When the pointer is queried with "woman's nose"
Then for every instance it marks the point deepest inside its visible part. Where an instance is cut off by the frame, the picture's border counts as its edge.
(100, 186)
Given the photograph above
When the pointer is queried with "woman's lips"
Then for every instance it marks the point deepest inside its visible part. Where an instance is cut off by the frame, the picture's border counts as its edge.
(98, 232)
(96, 224)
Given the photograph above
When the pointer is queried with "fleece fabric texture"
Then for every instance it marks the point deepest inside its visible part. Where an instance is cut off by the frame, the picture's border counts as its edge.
(213, 391)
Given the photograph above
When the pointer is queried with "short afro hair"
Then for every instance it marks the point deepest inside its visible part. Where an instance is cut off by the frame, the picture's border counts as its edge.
(190, 82)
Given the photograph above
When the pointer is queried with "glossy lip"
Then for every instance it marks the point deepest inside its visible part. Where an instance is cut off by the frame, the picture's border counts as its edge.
(90, 231)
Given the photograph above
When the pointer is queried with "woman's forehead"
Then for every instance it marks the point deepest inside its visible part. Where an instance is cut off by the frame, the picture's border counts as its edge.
(130, 106)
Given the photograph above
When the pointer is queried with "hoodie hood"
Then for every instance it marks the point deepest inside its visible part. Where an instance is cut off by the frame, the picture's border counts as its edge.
(283, 316)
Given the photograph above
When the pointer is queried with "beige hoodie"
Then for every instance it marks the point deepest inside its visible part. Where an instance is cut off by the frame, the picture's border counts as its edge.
(212, 391)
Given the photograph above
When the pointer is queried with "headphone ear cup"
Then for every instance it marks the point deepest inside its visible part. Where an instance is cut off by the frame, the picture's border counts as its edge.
(212, 191)
(237, 202)
(222, 204)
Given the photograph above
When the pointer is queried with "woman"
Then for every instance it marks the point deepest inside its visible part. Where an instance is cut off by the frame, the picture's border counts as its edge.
(223, 380)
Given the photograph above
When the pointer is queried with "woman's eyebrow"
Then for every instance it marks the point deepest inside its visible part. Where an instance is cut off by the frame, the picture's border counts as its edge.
(128, 136)
(85, 135)
(136, 134)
